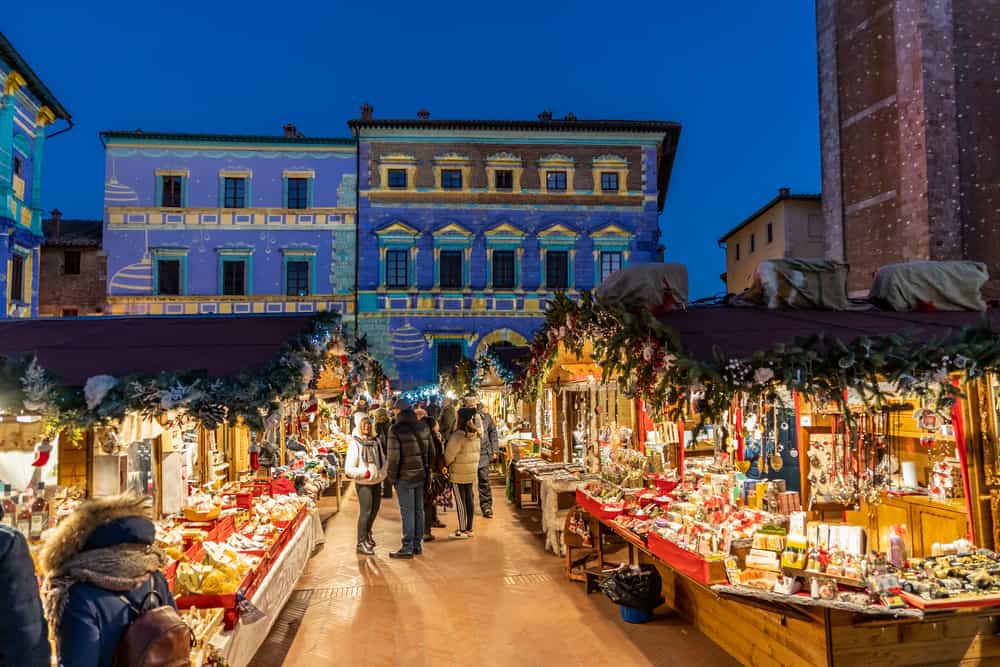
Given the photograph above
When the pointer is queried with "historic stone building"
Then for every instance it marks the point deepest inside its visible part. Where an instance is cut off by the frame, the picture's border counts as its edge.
(910, 123)
(28, 111)
(212, 224)
(465, 228)
(468, 227)
(72, 278)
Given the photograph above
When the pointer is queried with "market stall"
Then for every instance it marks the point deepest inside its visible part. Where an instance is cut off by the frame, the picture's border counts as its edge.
(827, 500)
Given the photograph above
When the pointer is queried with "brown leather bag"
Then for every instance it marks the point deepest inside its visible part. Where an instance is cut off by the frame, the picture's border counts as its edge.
(156, 637)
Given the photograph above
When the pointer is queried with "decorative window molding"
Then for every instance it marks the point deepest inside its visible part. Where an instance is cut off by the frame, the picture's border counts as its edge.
(236, 173)
(556, 162)
(299, 173)
(397, 236)
(557, 237)
(505, 237)
(453, 237)
(612, 164)
(167, 254)
(182, 174)
(236, 254)
(452, 161)
(286, 199)
(407, 163)
(610, 238)
(307, 255)
(504, 161)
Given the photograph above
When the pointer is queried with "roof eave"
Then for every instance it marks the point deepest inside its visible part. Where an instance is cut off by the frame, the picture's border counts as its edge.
(764, 209)
(35, 84)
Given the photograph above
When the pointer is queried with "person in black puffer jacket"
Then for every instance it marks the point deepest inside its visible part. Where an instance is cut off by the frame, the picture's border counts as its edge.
(24, 634)
(409, 451)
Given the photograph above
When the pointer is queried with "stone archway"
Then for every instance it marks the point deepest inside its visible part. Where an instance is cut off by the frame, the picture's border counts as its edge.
(500, 336)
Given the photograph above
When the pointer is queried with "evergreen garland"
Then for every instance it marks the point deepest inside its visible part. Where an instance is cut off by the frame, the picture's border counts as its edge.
(648, 358)
(210, 401)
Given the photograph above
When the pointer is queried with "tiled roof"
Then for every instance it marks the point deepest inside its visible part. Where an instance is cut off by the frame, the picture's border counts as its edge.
(782, 196)
(35, 85)
(73, 233)
(224, 138)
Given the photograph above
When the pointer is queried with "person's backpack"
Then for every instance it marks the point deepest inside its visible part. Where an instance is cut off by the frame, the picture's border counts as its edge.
(156, 637)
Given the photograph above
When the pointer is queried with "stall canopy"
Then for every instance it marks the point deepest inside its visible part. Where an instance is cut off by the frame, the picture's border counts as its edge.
(76, 349)
(740, 332)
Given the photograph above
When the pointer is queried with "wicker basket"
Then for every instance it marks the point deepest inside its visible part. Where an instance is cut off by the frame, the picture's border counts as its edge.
(194, 515)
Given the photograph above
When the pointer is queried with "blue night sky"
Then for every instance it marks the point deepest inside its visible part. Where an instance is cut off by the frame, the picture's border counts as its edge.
(739, 76)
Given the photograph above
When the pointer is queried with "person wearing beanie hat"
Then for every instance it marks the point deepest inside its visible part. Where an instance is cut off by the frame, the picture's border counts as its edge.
(100, 564)
(24, 634)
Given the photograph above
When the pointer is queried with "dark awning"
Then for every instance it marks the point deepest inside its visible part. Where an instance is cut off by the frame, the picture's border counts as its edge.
(740, 332)
(76, 349)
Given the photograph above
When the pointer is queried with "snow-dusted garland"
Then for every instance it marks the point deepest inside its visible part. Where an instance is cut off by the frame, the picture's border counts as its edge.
(26, 386)
(648, 359)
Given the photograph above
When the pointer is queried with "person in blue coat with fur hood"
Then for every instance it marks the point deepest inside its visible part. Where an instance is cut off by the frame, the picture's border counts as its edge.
(101, 552)
(24, 635)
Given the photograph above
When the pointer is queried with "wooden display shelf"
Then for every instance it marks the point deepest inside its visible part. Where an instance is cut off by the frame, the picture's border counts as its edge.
(957, 602)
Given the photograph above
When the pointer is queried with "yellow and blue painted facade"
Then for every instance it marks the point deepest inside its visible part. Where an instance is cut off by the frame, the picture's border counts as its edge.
(589, 192)
(166, 210)
(219, 224)
(28, 114)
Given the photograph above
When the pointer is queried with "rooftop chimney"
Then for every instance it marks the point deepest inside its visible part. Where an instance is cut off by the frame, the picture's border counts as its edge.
(291, 131)
(367, 111)
(423, 114)
(571, 116)
(545, 115)
(57, 218)
(783, 192)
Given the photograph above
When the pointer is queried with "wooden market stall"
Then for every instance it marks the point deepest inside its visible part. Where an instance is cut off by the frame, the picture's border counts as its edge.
(938, 480)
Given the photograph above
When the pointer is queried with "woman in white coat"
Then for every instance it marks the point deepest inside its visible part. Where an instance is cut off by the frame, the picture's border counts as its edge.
(366, 465)
(461, 456)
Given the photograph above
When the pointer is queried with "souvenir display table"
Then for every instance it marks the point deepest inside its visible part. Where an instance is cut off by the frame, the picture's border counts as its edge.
(764, 628)
(240, 644)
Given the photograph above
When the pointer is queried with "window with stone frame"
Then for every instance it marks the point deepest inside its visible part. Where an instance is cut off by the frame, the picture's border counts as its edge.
(168, 277)
(451, 179)
(171, 191)
(611, 261)
(298, 193)
(503, 179)
(555, 181)
(397, 178)
(397, 268)
(450, 267)
(557, 269)
(234, 192)
(16, 287)
(609, 181)
(297, 278)
(71, 262)
(234, 277)
(504, 263)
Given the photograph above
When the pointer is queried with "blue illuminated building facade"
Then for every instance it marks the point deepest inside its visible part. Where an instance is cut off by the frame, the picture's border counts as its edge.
(467, 227)
(436, 238)
(28, 114)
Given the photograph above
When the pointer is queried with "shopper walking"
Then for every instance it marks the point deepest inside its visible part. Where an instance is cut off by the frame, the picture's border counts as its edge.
(461, 455)
(409, 452)
(24, 634)
(366, 465)
(436, 479)
(383, 420)
(449, 415)
(101, 572)
(488, 449)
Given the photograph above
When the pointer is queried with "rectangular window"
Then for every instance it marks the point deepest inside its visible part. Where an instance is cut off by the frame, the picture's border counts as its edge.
(503, 269)
(234, 277)
(18, 165)
(610, 262)
(449, 353)
(737, 251)
(450, 267)
(235, 193)
(397, 268)
(70, 312)
(71, 262)
(168, 277)
(297, 278)
(17, 278)
(397, 178)
(609, 181)
(770, 232)
(557, 269)
(451, 179)
(298, 193)
(170, 191)
(753, 243)
(555, 180)
(503, 179)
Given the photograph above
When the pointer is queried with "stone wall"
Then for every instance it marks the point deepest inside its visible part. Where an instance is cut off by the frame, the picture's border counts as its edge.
(84, 293)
